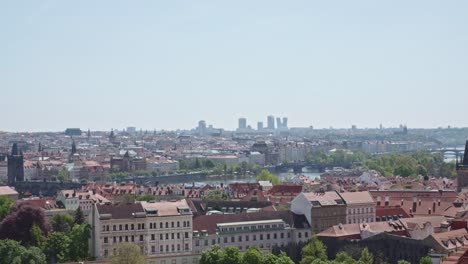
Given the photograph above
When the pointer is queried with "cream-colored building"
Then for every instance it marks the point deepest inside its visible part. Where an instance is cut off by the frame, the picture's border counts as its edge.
(360, 207)
(159, 228)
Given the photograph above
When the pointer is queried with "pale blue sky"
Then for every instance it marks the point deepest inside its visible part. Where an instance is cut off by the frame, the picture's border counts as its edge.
(168, 64)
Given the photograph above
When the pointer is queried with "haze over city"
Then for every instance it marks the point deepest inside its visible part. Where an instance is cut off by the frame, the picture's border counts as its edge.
(167, 65)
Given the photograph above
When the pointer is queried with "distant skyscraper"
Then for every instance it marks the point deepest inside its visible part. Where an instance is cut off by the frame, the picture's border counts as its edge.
(259, 126)
(271, 122)
(278, 122)
(131, 130)
(201, 127)
(242, 123)
(285, 122)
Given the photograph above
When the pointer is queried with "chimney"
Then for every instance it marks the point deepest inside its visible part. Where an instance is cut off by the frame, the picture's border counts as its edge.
(386, 200)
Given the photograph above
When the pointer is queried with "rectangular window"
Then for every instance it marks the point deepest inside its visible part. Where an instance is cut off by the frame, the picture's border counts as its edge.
(141, 237)
(153, 237)
(105, 240)
(261, 236)
(160, 236)
(153, 249)
(186, 234)
(206, 242)
(268, 236)
(233, 239)
(246, 237)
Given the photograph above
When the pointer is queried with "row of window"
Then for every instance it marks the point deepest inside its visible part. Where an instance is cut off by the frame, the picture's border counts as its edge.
(172, 236)
(247, 238)
(359, 211)
(162, 249)
(123, 238)
(254, 227)
(360, 220)
(167, 236)
(105, 228)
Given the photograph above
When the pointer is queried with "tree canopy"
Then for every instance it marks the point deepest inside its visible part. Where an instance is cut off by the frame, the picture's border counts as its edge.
(6, 204)
(265, 175)
(62, 223)
(19, 224)
(128, 253)
(14, 253)
(232, 255)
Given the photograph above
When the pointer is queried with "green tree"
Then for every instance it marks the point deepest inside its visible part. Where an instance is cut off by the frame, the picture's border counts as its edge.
(366, 257)
(283, 259)
(62, 223)
(209, 163)
(425, 260)
(315, 249)
(14, 253)
(79, 236)
(34, 255)
(211, 256)
(79, 216)
(37, 236)
(230, 255)
(128, 253)
(343, 257)
(6, 204)
(252, 256)
(265, 175)
(403, 262)
(63, 176)
(216, 195)
(57, 247)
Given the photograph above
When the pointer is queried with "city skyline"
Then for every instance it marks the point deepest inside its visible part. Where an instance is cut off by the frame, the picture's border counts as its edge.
(103, 65)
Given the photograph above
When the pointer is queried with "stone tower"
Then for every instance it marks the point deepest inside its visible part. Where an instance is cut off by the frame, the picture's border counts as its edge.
(462, 170)
(15, 166)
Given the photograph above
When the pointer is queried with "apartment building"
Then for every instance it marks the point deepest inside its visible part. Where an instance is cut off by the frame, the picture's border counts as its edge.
(159, 228)
(322, 209)
(360, 207)
(263, 230)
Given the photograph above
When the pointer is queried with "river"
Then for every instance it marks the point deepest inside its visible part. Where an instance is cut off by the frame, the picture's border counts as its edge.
(283, 176)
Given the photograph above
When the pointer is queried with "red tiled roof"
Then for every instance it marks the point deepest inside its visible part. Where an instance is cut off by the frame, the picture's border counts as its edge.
(283, 189)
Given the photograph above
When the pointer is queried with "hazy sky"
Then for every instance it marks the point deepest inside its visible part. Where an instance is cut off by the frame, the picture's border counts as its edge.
(168, 64)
